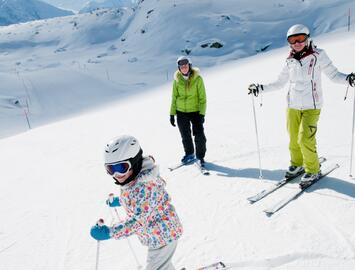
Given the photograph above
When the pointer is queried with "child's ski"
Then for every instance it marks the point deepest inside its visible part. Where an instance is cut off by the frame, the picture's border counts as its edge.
(214, 266)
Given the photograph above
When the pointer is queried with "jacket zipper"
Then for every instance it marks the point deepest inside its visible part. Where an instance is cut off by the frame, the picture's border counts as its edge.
(186, 87)
(311, 69)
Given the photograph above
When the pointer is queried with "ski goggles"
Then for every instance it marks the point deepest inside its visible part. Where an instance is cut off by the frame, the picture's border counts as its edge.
(120, 168)
(297, 39)
(183, 62)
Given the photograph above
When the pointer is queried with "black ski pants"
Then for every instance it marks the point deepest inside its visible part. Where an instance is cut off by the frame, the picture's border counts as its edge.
(185, 121)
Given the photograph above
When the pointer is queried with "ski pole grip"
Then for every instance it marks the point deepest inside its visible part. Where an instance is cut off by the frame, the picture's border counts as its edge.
(100, 222)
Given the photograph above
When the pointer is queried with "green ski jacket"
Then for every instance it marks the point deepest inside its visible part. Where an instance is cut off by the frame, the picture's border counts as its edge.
(188, 95)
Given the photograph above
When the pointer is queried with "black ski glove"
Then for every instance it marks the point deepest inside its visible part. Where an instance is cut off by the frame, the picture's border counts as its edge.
(255, 89)
(202, 118)
(351, 79)
(172, 120)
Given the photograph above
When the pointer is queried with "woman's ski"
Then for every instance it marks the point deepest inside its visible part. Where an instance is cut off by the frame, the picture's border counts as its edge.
(273, 209)
(202, 169)
(276, 186)
(181, 164)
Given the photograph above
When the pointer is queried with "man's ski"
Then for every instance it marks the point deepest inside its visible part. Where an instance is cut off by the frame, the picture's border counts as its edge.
(203, 169)
(214, 266)
(276, 186)
(273, 209)
(181, 164)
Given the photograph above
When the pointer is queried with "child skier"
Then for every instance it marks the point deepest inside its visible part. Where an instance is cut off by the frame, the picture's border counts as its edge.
(150, 215)
(303, 72)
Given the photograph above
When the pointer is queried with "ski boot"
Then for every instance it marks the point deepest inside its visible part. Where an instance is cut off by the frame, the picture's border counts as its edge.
(308, 178)
(201, 162)
(294, 171)
(188, 159)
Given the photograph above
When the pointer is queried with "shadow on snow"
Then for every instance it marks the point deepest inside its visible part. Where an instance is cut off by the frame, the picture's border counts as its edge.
(338, 185)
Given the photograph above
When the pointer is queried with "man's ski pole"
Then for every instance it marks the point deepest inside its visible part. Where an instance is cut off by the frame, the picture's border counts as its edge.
(257, 138)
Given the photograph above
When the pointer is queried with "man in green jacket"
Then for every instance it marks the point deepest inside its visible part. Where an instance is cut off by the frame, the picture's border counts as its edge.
(189, 105)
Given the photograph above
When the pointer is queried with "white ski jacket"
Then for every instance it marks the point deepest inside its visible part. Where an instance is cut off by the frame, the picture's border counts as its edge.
(304, 77)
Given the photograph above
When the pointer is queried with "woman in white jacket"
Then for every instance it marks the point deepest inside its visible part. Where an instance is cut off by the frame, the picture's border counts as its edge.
(303, 72)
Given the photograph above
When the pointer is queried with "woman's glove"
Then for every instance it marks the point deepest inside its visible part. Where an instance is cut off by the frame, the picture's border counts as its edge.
(202, 117)
(351, 79)
(172, 120)
(255, 89)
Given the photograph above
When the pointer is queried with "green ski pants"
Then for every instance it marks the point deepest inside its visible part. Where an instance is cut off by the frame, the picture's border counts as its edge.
(302, 129)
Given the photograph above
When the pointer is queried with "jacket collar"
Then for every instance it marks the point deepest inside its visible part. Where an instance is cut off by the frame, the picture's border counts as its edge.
(148, 167)
(195, 72)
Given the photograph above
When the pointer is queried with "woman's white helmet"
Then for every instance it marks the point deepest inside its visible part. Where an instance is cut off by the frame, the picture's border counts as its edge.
(183, 60)
(297, 29)
(121, 148)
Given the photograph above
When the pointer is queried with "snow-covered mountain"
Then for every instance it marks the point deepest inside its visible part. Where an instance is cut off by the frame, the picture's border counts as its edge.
(152, 35)
(17, 11)
(94, 5)
(205, 28)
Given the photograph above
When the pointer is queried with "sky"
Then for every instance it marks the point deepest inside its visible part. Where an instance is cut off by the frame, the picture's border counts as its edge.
(75, 5)
(67, 4)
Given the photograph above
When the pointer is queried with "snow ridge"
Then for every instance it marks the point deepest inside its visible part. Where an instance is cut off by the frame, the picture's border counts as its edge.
(18, 11)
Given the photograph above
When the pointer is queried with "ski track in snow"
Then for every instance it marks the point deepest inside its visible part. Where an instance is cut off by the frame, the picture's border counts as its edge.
(328, 224)
(279, 261)
(7, 247)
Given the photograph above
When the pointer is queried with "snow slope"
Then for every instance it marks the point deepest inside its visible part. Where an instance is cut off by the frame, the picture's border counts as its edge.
(121, 50)
(53, 184)
(17, 11)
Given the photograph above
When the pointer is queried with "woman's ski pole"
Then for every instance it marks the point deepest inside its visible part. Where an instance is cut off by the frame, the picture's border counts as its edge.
(352, 133)
(352, 140)
(257, 138)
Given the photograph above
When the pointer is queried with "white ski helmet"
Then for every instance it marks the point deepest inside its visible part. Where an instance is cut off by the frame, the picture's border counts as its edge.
(121, 148)
(297, 29)
(183, 60)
